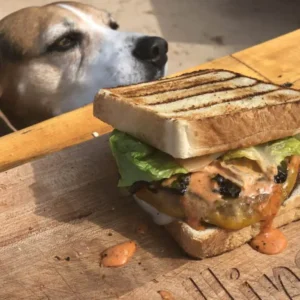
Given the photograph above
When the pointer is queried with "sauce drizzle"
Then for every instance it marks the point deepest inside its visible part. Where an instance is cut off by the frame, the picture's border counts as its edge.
(166, 295)
(118, 255)
(269, 240)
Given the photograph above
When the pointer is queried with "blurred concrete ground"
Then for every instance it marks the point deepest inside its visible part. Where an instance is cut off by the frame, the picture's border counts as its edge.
(197, 30)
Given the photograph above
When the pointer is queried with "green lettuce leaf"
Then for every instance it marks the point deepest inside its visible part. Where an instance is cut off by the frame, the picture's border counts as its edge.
(284, 148)
(268, 155)
(297, 136)
(138, 161)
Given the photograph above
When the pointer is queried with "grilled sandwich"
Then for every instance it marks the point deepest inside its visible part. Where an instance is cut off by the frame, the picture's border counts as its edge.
(213, 155)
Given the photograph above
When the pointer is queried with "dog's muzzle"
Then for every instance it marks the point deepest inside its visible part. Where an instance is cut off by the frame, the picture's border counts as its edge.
(152, 49)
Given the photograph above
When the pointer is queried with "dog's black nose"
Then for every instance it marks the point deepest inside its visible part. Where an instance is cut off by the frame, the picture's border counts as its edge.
(152, 49)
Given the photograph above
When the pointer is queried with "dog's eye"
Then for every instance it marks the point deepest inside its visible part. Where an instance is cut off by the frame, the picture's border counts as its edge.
(66, 42)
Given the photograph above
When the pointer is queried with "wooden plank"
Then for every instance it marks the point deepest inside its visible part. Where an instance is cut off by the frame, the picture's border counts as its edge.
(240, 274)
(73, 128)
(296, 85)
(67, 205)
(228, 63)
(50, 136)
(58, 213)
(277, 60)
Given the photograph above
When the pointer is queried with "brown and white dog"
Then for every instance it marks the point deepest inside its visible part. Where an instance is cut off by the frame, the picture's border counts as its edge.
(55, 58)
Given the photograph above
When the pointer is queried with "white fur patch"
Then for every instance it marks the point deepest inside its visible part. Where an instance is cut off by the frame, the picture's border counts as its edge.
(53, 32)
(88, 19)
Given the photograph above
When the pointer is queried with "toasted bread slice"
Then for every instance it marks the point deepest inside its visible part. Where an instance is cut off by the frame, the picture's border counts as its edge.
(202, 112)
(214, 241)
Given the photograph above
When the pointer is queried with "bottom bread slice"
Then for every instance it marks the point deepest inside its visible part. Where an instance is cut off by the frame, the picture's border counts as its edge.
(215, 241)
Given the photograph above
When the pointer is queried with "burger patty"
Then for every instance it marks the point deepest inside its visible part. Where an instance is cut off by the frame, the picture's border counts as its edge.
(212, 198)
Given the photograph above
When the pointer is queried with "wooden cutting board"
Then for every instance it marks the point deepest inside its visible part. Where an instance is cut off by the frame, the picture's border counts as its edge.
(58, 213)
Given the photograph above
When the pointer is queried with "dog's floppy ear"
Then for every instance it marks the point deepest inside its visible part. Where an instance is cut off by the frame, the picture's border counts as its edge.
(1, 66)
(4, 127)
(6, 52)
(1, 73)
(9, 50)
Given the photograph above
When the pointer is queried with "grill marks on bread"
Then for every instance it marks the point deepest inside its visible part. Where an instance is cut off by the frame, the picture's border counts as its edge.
(206, 93)
(196, 90)
(232, 105)
(146, 88)
(179, 83)
(201, 113)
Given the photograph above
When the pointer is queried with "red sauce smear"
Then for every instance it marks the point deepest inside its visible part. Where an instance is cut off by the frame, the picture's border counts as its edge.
(272, 241)
(200, 184)
(165, 295)
(269, 240)
(118, 255)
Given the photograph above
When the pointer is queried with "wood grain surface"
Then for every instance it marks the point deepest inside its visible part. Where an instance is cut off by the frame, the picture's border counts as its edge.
(241, 274)
(59, 212)
(277, 60)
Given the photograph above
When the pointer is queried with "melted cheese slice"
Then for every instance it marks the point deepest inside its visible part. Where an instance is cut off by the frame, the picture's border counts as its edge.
(196, 164)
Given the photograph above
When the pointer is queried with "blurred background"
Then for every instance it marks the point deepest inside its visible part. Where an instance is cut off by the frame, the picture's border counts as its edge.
(197, 30)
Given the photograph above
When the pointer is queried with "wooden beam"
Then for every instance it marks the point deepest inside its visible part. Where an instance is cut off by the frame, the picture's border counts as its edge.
(277, 60)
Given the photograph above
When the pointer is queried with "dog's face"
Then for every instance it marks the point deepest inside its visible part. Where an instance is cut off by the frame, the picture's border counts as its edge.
(55, 58)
